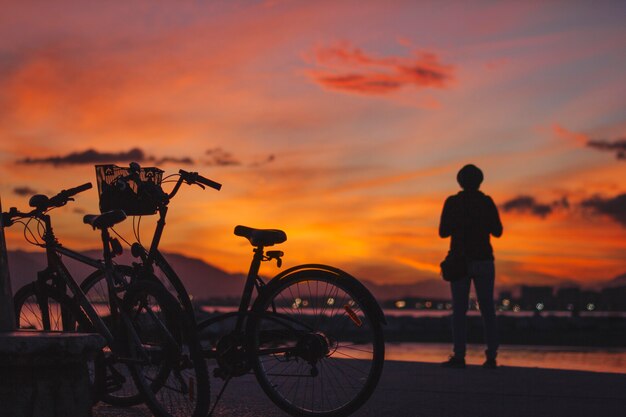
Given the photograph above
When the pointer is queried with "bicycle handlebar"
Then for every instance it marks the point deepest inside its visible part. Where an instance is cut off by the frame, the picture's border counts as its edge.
(194, 177)
(64, 196)
(73, 191)
(44, 203)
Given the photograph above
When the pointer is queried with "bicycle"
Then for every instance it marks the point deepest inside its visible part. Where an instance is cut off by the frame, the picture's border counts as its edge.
(137, 190)
(342, 318)
(313, 336)
(146, 331)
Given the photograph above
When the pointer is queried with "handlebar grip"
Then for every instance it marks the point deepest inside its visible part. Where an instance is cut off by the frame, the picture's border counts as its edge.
(209, 183)
(195, 177)
(63, 197)
(79, 189)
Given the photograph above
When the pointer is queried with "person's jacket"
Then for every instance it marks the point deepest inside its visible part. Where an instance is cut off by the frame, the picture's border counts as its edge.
(470, 217)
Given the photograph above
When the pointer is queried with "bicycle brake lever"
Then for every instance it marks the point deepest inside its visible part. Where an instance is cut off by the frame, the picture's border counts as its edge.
(199, 185)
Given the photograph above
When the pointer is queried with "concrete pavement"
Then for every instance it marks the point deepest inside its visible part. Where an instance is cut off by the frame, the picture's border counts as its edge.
(409, 389)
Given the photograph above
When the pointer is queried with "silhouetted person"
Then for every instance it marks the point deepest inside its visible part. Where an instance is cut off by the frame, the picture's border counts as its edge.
(469, 218)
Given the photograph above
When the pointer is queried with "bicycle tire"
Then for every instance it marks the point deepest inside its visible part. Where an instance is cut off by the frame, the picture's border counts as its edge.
(30, 302)
(116, 375)
(173, 378)
(316, 343)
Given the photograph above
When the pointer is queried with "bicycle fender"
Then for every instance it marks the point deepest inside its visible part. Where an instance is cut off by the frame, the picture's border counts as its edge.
(363, 292)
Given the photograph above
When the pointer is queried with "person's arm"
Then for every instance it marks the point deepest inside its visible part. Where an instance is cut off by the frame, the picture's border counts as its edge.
(495, 225)
(446, 223)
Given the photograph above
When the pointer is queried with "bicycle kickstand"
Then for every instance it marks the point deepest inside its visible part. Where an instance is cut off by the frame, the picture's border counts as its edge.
(219, 395)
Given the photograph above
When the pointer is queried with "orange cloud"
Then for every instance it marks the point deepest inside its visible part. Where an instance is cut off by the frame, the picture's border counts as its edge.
(347, 68)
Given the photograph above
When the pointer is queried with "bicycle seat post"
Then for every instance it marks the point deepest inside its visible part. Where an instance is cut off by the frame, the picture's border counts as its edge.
(253, 273)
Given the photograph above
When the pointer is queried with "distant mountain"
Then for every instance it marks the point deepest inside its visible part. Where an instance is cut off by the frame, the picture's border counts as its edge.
(201, 279)
(204, 281)
(618, 281)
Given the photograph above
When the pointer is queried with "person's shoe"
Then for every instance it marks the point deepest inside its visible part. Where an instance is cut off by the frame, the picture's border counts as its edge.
(454, 362)
(490, 364)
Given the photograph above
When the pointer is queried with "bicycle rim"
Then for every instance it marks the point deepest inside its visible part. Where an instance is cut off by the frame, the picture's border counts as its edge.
(317, 350)
(44, 308)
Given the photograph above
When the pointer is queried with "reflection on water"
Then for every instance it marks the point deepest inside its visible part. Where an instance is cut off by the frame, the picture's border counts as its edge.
(573, 358)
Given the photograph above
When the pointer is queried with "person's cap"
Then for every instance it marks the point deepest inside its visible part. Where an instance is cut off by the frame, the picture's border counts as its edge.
(470, 177)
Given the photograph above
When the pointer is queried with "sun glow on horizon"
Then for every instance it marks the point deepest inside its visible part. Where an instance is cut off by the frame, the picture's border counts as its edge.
(343, 124)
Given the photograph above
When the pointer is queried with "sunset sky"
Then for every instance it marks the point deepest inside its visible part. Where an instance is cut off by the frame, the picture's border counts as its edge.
(343, 123)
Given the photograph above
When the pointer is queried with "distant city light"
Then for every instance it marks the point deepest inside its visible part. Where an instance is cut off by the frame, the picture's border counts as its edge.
(330, 301)
(539, 306)
(428, 304)
(305, 303)
(506, 302)
(517, 308)
(591, 306)
(400, 304)
(448, 306)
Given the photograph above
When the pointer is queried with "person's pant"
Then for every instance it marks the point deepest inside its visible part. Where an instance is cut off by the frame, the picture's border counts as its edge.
(483, 274)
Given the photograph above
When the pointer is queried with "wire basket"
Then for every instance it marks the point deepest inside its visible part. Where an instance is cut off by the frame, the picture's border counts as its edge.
(117, 192)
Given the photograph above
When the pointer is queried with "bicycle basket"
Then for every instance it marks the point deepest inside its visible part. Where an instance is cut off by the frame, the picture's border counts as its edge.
(117, 193)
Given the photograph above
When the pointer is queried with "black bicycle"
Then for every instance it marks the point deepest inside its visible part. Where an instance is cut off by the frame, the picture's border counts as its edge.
(137, 190)
(313, 336)
(152, 352)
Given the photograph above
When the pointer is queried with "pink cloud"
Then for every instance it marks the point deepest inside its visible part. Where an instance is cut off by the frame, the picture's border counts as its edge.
(347, 68)
(576, 137)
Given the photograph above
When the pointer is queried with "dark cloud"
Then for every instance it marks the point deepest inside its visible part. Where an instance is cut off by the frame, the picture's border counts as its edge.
(24, 191)
(350, 69)
(90, 156)
(219, 157)
(215, 157)
(168, 159)
(268, 160)
(618, 147)
(527, 204)
(612, 207)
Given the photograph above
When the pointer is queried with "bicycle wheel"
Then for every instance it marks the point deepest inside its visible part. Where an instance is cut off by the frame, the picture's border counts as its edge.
(170, 360)
(316, 343)
(119, 386)
(43, 307)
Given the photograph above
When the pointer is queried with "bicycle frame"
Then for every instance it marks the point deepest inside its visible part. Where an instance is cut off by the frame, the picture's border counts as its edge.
(154, 257)
(53, 250)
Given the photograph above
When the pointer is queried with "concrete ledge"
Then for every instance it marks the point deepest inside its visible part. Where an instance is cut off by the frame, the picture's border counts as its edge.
(45, 374)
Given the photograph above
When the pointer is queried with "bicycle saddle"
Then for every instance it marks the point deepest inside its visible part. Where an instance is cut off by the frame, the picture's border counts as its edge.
(104, 220)
(261, 237)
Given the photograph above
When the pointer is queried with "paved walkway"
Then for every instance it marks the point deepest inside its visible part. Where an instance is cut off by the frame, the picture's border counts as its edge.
(409, 389)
